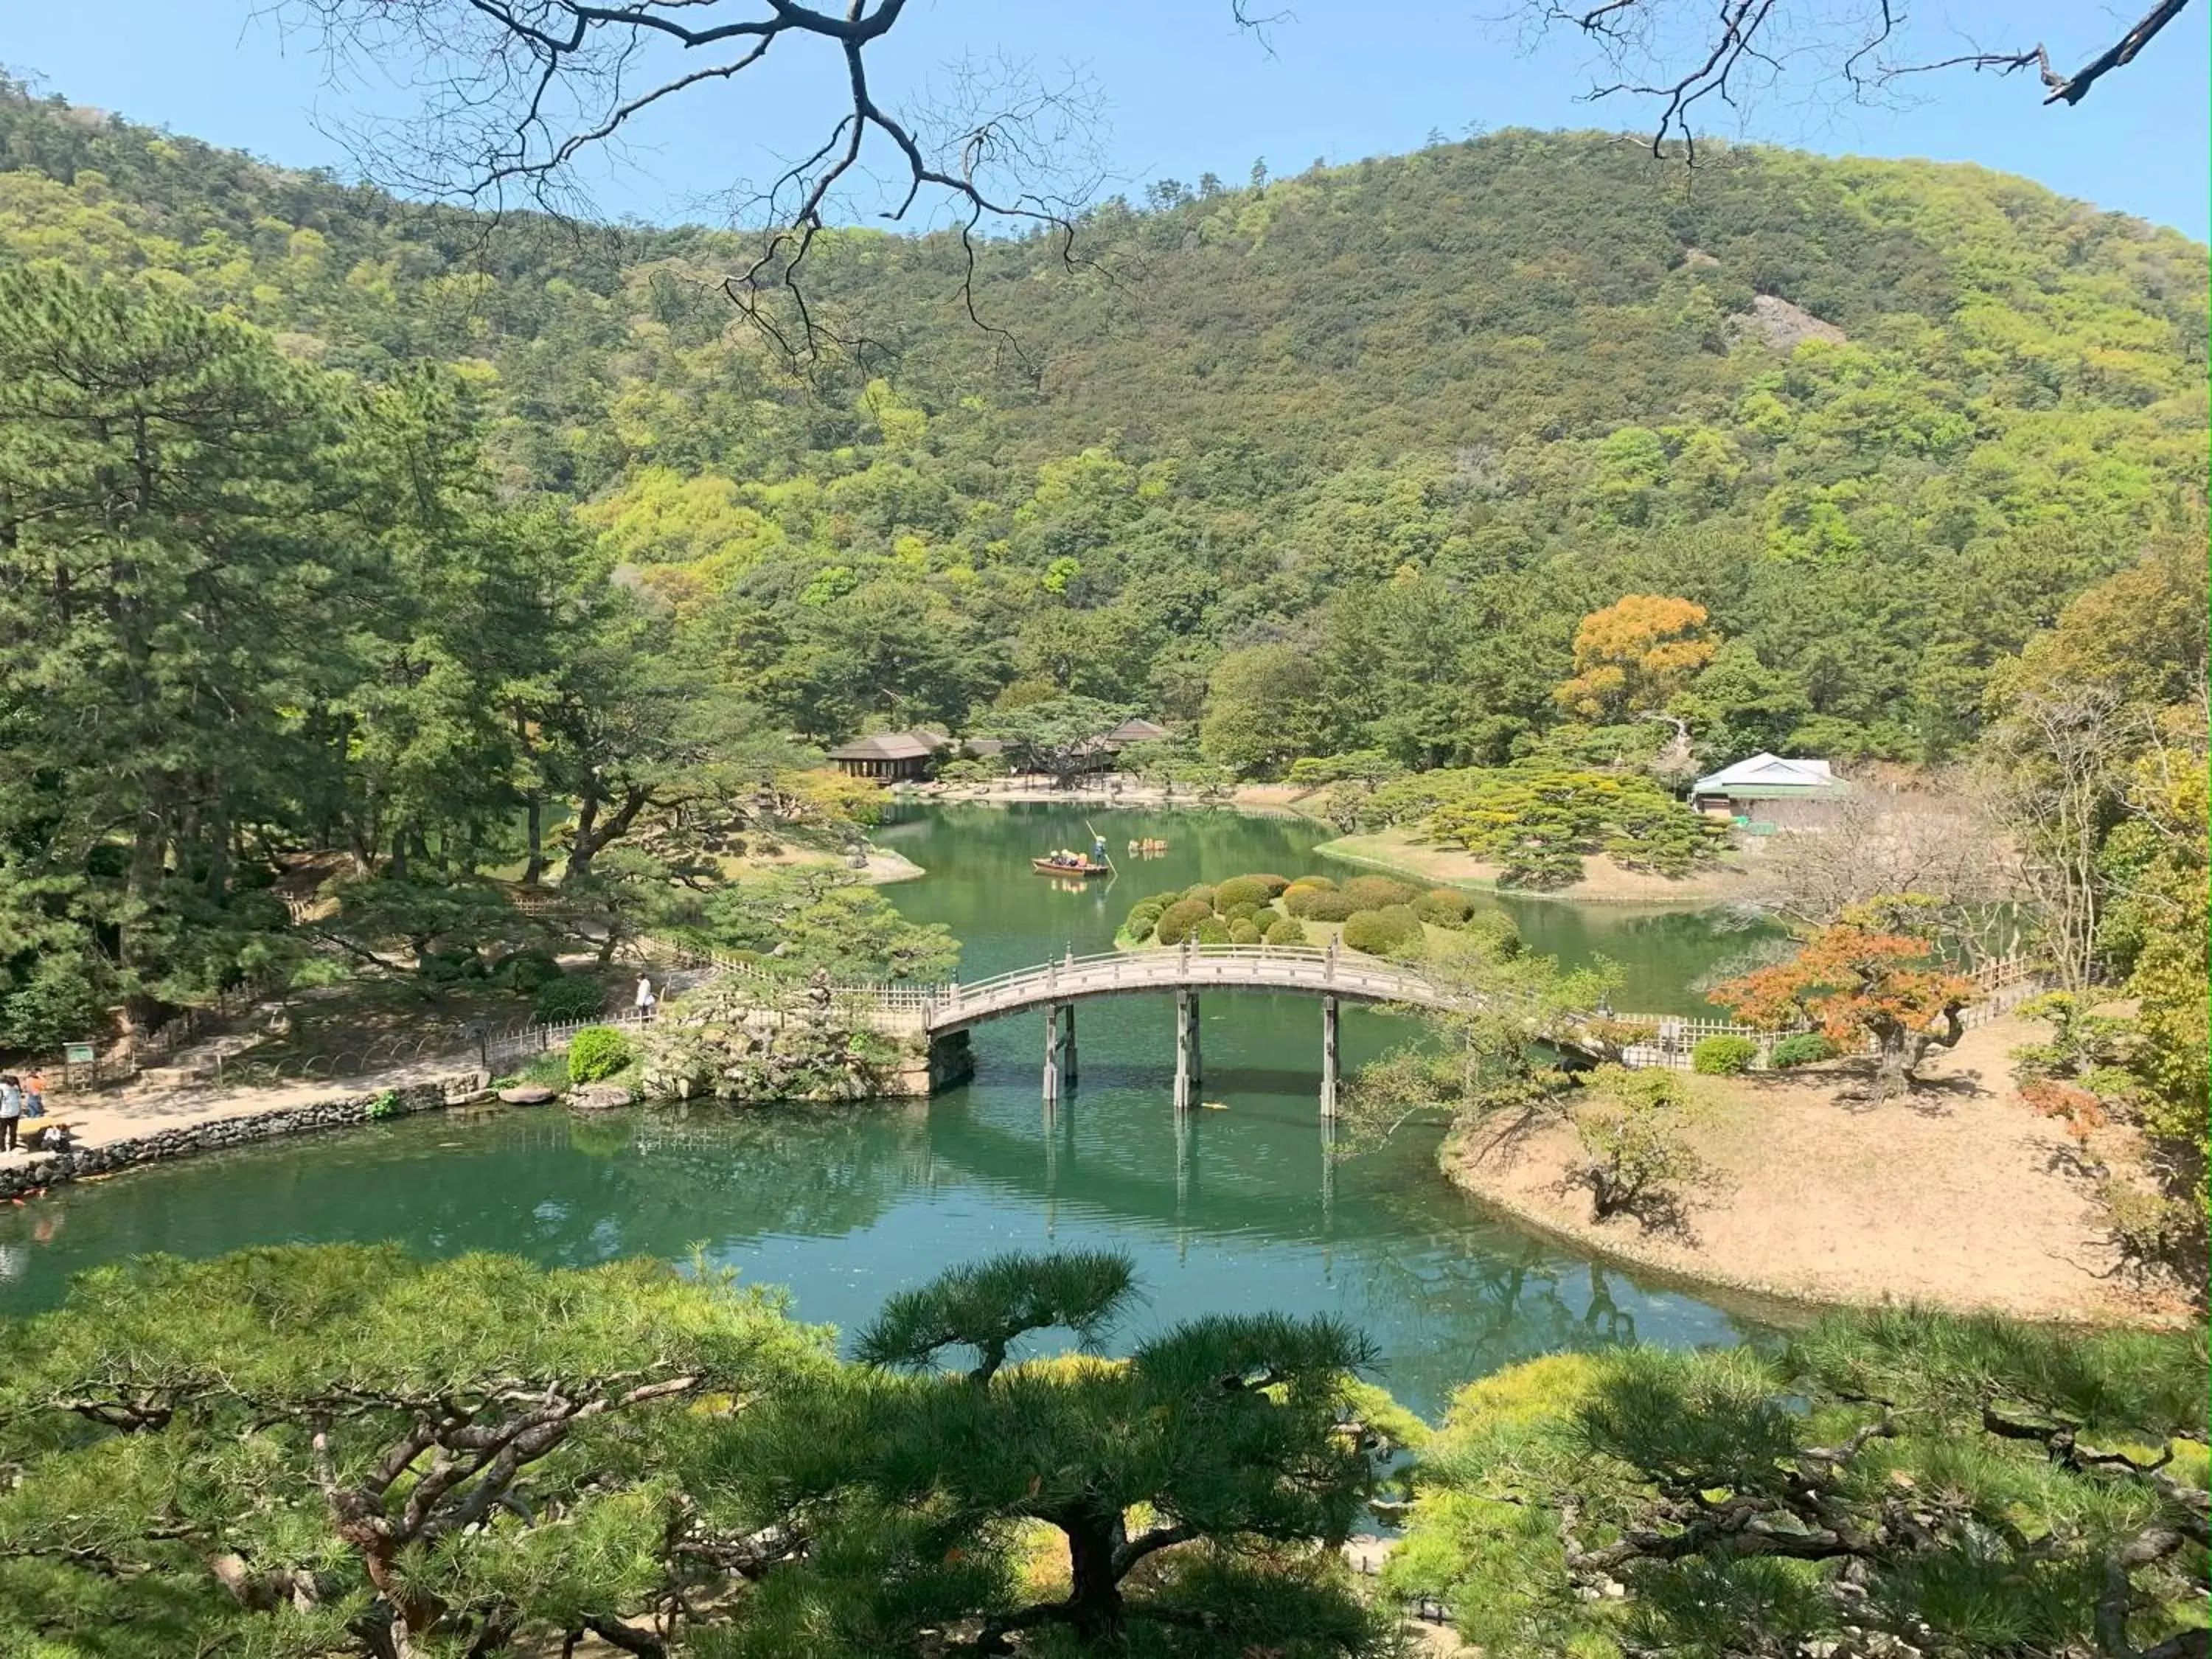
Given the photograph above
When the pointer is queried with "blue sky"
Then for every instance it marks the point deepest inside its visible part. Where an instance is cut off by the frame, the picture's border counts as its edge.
(1183, 92)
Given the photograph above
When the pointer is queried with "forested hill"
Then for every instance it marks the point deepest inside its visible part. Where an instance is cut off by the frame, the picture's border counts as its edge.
(1335, 461)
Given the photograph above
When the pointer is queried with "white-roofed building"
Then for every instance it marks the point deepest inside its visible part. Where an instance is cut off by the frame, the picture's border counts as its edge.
(1744, 790)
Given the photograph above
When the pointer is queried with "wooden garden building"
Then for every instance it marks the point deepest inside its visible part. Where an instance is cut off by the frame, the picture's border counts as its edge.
(891, 756)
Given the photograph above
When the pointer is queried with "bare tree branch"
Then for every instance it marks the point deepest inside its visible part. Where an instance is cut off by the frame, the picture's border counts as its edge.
(1683, 53)
(515, 93)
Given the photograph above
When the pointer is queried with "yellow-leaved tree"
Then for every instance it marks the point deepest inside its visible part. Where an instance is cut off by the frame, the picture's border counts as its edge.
(1635, 655)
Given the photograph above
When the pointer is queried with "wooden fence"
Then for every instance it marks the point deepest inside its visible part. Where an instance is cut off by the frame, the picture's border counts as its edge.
(2004, 983)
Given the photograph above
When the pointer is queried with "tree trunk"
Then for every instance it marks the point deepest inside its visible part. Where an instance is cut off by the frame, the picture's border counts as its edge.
(149, 863)
(594, 836)
(1902, 1050)
(534, 824)
(1094, 1597)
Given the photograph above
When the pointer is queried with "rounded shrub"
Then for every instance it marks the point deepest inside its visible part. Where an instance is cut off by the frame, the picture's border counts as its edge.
(1244, 931)
(1240, 891)
(1723, 1056)
(1143, 918)
(571, 997)
(1211, 931)
(1331, 907)
(1806, 1049)
(1202, 892)
(1178, 919)
(1447, 907)
(1240, 912)
(1391, 930)
(1320, 884)
(1288, 931)
(1374, 892)
(597, 1051)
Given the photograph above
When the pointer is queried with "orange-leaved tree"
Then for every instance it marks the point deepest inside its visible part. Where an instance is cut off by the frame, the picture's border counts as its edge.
(1872, 975)
(1632, 657)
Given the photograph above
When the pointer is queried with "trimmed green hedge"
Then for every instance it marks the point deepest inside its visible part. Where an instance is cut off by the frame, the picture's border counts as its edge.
(1391, 930)
(1244, 931)
(1723, 1056)
(1211, 931)
(597, 1051)
(1288, 931)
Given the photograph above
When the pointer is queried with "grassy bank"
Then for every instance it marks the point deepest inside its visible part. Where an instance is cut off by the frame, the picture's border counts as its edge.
(1396, 853)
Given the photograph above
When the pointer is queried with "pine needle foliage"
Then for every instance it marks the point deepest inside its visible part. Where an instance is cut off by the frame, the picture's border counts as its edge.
(987, 1305)
(1197, 1488)
(1896, 1481)
(338, 1449)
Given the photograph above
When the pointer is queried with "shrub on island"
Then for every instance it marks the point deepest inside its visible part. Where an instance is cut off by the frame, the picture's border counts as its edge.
(1177, 921)
(1374, 892)
(1323, 906)
(1240, 890)
(1447, 907)
(1244, 931)
(1391, 930)
(1143, 917)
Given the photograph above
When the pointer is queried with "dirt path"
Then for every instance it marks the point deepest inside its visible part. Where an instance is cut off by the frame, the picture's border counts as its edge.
(1962, 1196)
(127, 1114)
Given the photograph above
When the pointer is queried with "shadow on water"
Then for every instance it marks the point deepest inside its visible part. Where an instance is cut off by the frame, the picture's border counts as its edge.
(1239, 1209)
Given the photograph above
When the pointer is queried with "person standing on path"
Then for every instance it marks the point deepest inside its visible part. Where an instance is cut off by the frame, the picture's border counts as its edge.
(11, 1111)
(645, 998)
(34, 1094)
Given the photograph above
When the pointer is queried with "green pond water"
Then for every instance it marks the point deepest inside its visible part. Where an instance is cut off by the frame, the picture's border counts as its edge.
(1239, 1209)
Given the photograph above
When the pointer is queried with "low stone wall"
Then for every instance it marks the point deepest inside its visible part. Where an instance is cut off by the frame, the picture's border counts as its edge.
(211, 1135)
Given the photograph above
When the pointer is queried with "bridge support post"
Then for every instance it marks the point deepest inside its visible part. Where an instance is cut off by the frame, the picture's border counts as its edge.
(1329, 1056)
(1052, 1061)
(1186, 1077)
(1067, 1049)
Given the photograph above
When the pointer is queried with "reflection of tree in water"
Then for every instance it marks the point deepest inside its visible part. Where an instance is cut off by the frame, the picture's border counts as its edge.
(825, 1174)
(557, 1189)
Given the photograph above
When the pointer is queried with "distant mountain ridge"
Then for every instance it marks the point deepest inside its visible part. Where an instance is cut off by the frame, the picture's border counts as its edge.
(1881, 418)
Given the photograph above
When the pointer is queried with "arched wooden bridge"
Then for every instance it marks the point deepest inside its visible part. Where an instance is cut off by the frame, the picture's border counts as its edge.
(942, 1011)
(1056, 986)
(937, 1009)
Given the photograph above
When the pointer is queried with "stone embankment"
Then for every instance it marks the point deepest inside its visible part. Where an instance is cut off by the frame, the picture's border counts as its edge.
(212, 1134)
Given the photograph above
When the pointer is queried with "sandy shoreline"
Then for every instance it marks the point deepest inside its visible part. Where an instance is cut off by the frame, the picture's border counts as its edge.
(1961, 1197)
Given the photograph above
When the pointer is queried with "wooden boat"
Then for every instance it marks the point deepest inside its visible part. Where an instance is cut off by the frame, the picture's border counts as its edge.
(1063, 867)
